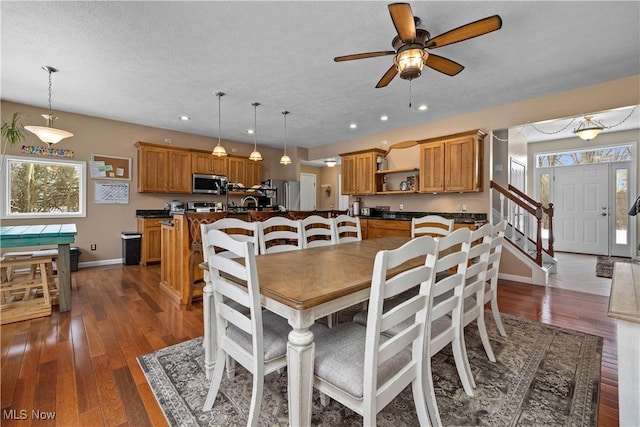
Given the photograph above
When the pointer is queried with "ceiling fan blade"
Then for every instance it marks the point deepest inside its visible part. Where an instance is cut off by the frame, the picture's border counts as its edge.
(465, 32)
(444, 65)
(402, 18)
(364, 55)
(388, 76)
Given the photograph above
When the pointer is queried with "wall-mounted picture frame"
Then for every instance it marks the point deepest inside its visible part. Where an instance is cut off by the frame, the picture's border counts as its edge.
(104, 166)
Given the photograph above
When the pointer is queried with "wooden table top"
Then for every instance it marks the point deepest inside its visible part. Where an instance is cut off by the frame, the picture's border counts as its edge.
(624, 300)
(309, 277)
(12, 236)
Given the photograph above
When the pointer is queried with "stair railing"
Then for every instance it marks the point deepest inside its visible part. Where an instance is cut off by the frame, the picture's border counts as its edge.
(523, 226)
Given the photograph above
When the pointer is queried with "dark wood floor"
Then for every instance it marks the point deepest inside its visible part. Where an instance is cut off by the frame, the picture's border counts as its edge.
(82, 364)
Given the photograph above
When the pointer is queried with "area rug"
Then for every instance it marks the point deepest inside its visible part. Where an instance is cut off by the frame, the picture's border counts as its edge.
(604, 265)
(543, 375)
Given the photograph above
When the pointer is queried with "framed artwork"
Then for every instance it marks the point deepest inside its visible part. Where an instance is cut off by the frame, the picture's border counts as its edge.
(103, 166)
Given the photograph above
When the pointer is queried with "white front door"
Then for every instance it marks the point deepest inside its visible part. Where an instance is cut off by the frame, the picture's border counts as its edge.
(307, 192)
(581, 209)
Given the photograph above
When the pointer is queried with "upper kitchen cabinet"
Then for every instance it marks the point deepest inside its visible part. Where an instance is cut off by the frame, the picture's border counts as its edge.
(452, 163)
(244, 171)
(358, 171)
(162, 169)
(206, 163)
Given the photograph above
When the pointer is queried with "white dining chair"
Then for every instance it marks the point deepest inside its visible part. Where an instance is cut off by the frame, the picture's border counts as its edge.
(493, 265)
(361, 367)
(446, 308)
(257, 340)
(280, 234)
(475, 279)
(347, 229)
(431, 225)
(318, 231)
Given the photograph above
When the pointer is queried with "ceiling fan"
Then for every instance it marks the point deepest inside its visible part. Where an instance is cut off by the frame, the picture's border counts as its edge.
(411, 45)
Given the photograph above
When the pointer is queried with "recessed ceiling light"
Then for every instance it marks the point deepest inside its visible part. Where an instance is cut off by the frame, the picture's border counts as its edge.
(384, 118)
(423, 107)
(185, 118)
(250, 131)
(353, 125)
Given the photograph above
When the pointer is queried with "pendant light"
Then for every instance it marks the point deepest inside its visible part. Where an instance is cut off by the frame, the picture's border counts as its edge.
(219, 150)
(48, 134)
(285, 160)
(589, 128)
(255, 154)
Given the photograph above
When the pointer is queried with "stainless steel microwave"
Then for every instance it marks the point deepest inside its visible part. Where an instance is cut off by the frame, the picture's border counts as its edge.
(209, 184)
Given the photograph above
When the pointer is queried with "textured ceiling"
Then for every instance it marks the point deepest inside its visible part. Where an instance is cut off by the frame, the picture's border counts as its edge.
(150, 62)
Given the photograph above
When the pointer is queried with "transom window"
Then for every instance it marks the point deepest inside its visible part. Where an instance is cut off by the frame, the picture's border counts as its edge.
(620, 153)
(43, 188)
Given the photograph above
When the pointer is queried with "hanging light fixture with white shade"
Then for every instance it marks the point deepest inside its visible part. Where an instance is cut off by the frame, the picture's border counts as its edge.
(255, 154)
(285, 160)
(219, 150)
(589, 128)
(48, 134)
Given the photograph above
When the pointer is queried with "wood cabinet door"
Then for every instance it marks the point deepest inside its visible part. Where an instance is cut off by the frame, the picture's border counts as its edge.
(153, 236)
(236, 170)
(179, 172)
(432, 167)
(253, 173)
(365, 173)
(460, 165)
(152, 169)
(348, 174)
(207, 163)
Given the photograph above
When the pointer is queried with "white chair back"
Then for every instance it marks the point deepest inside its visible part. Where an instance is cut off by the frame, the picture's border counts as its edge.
(431, 225)
(318, 231)
(347, 229)
(390, 364)
(240, 230)
(280, 234)
(493, 266)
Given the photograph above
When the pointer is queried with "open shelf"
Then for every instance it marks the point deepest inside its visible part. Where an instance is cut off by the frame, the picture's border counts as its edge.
(388, 171)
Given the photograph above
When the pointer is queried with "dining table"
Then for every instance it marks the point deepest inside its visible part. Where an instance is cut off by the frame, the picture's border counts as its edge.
(62, 235)
(303, 286)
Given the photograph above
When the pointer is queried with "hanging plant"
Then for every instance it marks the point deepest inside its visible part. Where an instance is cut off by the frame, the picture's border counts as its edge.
(12, 133)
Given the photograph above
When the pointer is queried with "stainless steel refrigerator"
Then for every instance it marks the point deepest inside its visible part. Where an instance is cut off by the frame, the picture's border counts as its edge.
(287, 193)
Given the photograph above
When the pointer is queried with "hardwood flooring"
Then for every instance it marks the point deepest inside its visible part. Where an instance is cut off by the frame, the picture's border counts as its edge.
(80, 368)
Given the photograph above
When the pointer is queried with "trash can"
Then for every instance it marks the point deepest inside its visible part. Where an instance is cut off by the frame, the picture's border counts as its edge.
(131, 247)
(75, 254)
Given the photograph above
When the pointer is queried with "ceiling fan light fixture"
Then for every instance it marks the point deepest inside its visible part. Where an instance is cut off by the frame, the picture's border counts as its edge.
(255, 154)
(589, 128)
(410, 62)
(219, 150)
(48, 134)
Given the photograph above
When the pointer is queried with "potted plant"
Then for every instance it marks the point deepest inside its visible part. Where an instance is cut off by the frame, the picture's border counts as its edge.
(12, 133)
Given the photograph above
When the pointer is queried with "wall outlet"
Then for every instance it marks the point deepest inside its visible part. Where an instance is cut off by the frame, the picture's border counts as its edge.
(93, 246)
(464, 207)
(458, 207)
(401, 206)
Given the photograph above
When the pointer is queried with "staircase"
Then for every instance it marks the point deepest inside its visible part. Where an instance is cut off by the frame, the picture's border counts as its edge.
(525, 236)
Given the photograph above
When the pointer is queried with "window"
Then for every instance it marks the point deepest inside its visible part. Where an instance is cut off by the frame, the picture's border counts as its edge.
(581, 157)
(43, 188)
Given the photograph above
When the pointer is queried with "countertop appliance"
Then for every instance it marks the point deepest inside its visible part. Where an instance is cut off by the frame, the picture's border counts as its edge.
(174, 205)
(204, 206)
(209, 184)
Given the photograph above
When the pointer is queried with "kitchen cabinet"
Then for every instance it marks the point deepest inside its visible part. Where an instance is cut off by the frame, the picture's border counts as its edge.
(387, 227)
(169, 268)
(244, 171)
(206, 163)
(151, 246)
(452, 163)
(162, 169)
(358, 171)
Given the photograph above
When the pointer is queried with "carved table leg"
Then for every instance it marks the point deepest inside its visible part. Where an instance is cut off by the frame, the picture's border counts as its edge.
(300, 359)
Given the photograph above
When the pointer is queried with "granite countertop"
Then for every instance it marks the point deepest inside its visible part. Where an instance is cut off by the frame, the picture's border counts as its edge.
(458, 217)
(153, 213)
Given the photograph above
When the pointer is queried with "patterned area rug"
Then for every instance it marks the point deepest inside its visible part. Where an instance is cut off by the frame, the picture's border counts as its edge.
(543, 375)
(604, 265)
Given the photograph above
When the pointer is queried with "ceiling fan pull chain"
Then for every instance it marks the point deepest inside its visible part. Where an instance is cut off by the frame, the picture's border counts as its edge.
(409, 93)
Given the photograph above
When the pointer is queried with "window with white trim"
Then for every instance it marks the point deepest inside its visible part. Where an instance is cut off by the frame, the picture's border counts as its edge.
(43, 188)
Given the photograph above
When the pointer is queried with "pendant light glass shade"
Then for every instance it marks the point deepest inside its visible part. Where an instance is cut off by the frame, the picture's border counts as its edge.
(589, 128)
(48, 134)
(255, 154)
(219, 150)
(285, 160)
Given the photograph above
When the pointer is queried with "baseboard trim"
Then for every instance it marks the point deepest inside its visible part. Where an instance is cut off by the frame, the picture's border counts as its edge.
(100, 263)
